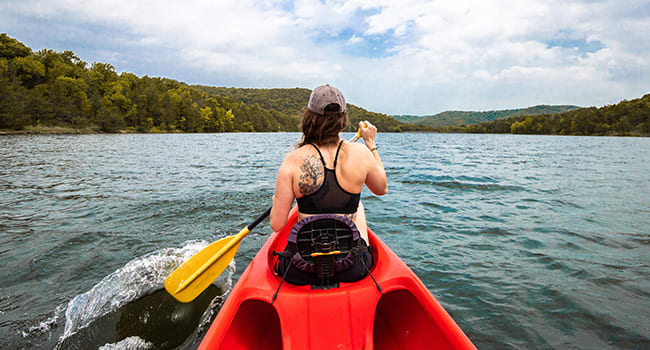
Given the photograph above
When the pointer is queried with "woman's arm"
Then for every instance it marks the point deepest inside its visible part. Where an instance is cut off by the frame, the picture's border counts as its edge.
(283, 198)
(376, 179)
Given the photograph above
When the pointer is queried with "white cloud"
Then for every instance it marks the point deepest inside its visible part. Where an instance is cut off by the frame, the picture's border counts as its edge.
(407, 57)
(354, 40)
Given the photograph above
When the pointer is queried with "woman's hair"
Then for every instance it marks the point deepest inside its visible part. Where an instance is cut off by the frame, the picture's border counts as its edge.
(322, 129)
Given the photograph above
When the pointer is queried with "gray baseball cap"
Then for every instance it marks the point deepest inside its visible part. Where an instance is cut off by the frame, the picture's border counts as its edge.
(325, 95)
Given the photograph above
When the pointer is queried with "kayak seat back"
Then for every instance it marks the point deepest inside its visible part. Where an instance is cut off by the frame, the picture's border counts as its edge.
(322, 250)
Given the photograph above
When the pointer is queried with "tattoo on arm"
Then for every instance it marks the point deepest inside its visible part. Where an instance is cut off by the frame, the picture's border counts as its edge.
(311, 171)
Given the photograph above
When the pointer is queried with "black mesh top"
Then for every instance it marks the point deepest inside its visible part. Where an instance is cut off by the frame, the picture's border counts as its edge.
(330, 198)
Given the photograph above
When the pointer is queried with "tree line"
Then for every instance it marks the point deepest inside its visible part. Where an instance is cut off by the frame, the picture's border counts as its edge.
(455, 118)
(52, 89)
(57, 89)
(626, 118)
(293, 101)
(49, 88)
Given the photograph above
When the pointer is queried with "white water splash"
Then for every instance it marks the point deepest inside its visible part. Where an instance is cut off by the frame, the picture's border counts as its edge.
(130, 343)
(137, 278)
(208, 316)
(44, 326)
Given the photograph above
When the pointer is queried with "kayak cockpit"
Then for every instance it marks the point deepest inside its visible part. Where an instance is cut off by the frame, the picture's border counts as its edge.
(401, 323)
(255, 326)
(402, 315)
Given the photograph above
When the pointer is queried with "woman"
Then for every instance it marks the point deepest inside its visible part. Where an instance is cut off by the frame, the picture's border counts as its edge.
(326, 174)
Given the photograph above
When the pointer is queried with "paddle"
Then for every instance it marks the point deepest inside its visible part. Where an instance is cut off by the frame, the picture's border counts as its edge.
(198, 272)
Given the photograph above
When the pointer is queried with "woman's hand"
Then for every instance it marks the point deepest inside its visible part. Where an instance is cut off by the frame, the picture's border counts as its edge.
(368, 133)
(376, 177)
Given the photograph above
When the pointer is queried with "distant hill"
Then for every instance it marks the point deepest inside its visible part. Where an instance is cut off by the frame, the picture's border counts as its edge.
(291, 102)
(626, 118)
(285, 101)
(456, 118)
(412, 119)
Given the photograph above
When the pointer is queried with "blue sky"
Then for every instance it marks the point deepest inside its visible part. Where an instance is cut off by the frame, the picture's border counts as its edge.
(395, 57)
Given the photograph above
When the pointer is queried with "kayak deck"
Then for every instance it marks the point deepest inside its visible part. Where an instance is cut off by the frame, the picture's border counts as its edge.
(352, 316)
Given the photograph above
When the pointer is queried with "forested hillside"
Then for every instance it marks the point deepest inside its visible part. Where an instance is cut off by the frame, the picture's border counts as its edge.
(291, 102)
(626, 118)
(285, 101)
(457, 118)
(48, 88)
(57, 89)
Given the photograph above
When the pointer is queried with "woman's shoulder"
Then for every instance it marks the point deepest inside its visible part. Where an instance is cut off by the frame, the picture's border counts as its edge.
(357, 146)
(297, 155)
(358, 149)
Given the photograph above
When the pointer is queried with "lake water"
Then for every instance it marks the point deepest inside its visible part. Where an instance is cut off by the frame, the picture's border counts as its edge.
(527, 241)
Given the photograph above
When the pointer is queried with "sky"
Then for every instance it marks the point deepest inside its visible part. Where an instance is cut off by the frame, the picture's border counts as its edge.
(389, 56)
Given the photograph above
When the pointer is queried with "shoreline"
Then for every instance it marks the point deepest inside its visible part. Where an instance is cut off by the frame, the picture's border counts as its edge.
(61, 130)
(50, 130)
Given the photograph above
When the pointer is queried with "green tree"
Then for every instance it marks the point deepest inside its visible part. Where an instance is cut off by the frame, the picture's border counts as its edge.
(10, 47)
(207, 122)
(13, 99)
(623, 126)
(29, 70)
(68, 97)
(4, 66)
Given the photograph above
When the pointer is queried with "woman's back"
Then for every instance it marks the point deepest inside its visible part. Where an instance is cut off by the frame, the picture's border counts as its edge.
(309, 171)
(324, 174)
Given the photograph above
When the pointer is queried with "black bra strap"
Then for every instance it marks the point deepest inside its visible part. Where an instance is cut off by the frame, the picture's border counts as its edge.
(321, 155)
(336, 157)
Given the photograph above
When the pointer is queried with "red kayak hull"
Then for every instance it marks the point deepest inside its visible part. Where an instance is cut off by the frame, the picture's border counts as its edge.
(353, 316)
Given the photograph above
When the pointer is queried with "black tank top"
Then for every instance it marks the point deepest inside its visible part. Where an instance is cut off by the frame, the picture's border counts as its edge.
(330, 198)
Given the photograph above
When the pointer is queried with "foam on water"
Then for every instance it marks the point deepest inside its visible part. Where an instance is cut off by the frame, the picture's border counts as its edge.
(131, 343)
(136, 279)
(46, 325)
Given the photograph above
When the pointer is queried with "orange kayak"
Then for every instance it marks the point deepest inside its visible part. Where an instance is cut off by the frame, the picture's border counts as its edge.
(352, 316)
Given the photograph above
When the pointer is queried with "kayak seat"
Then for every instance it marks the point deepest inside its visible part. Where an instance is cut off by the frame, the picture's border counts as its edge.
(323, 250)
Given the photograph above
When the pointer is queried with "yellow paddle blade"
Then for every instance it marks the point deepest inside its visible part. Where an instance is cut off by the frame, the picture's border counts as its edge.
(198, 272)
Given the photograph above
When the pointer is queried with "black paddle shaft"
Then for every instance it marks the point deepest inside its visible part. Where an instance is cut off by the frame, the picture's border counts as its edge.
(252, 225)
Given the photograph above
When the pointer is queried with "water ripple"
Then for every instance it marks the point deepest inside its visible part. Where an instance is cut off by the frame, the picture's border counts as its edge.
(528, 241)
